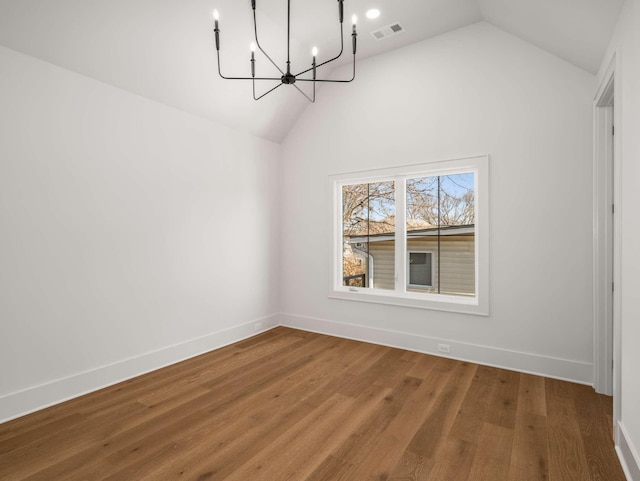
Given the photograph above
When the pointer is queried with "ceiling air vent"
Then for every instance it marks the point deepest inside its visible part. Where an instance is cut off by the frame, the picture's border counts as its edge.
(388, 31)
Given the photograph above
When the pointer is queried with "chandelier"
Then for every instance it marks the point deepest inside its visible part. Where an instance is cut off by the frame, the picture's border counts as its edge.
(287, 77)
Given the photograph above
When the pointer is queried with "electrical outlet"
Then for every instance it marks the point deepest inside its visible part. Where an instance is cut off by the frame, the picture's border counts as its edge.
(444, 348)
(257, 326)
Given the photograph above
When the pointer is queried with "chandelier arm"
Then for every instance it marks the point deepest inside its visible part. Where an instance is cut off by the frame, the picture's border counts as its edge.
(302, 92)
(244, 78)
(330, 60)
(325, 80)
(329, 80)
(267, 92)
(255, 30)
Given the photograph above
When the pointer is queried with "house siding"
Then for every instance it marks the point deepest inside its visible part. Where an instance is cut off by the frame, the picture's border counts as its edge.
(457, 268)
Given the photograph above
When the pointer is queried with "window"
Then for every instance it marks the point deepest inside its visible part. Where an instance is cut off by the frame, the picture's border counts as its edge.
(420, 270)
(425, 225)
(368, 214)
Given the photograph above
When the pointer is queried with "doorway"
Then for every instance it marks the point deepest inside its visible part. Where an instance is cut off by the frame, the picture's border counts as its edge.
(606, 251)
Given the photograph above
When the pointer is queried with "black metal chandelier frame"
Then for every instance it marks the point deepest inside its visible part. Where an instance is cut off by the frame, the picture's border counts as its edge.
(287, 77)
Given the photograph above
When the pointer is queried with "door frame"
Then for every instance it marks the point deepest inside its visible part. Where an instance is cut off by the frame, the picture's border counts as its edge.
(606, 236)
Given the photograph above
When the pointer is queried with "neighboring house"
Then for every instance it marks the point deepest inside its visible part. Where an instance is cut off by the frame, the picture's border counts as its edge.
(450, 272)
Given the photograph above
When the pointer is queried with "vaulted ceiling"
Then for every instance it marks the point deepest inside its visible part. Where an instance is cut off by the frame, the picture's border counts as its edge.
(164, 50)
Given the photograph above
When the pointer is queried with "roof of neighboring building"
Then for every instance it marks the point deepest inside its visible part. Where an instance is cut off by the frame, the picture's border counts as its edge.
(448, 230)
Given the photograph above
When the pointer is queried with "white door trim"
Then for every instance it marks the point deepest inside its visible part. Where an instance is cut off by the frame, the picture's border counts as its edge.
(606, 235)
(603, 204)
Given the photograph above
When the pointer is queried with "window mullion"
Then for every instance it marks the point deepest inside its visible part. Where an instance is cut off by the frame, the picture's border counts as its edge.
(401, 234)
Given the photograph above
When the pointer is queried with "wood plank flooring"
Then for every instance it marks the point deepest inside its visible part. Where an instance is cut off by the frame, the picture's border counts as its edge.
(289, 405)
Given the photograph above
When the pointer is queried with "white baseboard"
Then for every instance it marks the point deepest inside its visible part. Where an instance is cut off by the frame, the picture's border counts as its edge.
(564, 369)
(23, 402)
(627, 454)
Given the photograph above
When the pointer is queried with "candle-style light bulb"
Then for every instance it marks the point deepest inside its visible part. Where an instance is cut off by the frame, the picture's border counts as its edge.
(354, 34)
(216, 17)
(314, 52)
(252, 47)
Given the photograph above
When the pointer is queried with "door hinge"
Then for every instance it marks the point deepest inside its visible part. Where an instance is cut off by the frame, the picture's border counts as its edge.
(613, 287)
(613, 130)
(613, 208)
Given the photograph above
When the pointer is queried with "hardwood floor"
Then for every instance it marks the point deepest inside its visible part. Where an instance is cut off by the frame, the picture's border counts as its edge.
(295, 406)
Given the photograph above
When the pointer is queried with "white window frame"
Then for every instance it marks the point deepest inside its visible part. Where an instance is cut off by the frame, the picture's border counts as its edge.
(478, 303)
(418, 286)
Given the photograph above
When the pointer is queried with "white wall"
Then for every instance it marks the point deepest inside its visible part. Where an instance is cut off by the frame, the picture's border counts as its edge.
(625, 46)
(131, 234)
(474, 91)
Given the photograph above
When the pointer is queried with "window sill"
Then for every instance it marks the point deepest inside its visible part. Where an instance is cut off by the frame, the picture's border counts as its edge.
(436, 302)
